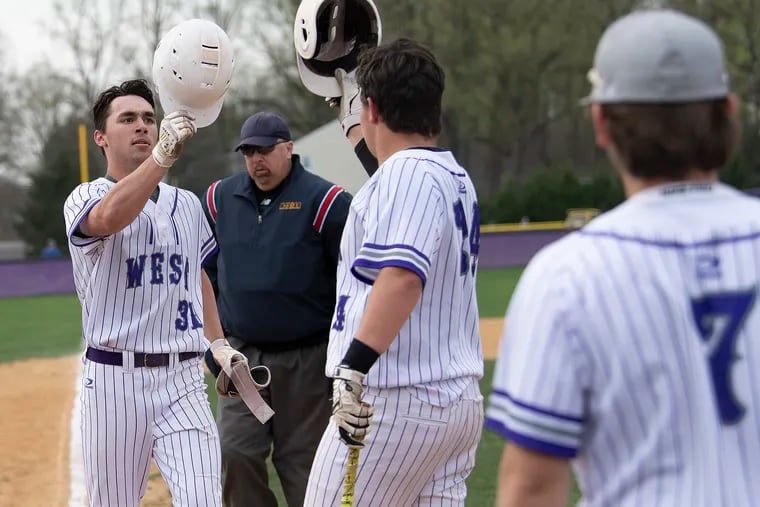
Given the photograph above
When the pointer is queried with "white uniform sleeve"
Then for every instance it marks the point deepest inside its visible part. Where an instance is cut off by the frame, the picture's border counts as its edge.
(402, 222)
(542, 373)
(76, 208)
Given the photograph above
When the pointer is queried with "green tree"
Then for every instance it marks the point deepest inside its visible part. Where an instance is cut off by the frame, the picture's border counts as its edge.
(548, 194)
(277, 85)
(604, 191)
(515, 72)
(41, 215)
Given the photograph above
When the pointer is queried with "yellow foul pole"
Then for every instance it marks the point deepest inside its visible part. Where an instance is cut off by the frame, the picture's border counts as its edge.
(84, 171)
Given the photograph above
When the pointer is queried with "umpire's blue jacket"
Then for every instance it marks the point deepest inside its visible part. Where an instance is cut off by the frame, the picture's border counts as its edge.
(275, 269)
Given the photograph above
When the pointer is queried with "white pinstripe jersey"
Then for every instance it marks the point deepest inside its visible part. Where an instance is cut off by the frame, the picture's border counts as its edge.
(632, 347)
(419, 212)
(140, 288)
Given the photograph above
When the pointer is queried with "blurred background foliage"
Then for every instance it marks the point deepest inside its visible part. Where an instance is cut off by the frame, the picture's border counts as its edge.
(515, 74)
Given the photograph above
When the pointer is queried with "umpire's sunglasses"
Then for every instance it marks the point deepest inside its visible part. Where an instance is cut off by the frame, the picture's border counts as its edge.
(250, 150)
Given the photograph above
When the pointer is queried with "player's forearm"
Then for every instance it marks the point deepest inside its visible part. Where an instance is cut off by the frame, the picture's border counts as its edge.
(121, 205)
(531, 479)
(391, 300)
(368, 160)
(212, 326)
(355, 135)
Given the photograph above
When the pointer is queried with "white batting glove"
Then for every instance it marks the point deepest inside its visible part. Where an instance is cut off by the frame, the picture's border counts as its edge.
(227, 358)
(225, 355)
(350, 413)
(175, 129)
(350, 102)
(237, 380)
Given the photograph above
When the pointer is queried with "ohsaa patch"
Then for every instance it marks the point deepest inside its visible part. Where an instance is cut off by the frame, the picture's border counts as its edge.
(287, 205)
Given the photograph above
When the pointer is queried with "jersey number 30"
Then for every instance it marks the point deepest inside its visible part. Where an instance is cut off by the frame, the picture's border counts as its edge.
(720, 318)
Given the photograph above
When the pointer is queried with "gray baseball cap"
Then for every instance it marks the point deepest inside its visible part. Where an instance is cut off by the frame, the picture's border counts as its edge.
(658, 55)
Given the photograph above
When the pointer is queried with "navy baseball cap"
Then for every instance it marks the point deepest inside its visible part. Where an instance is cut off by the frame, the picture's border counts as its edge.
(263, 129)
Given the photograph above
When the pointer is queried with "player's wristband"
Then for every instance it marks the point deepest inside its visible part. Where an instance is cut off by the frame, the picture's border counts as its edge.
(368, 160)
(359, 356)
(214, 368)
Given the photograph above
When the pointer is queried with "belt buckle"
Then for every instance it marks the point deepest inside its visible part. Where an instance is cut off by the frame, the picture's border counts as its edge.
(146, 363)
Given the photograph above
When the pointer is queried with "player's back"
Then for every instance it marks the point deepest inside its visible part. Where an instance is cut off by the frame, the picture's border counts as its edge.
(419, 212)
(441, 334)
(666, 286)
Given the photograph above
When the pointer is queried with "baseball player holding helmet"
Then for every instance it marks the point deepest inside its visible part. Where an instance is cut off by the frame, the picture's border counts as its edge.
(148, 311)
(404, 351)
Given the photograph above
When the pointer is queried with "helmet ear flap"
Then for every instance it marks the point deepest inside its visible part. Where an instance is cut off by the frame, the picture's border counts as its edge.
(192, 69)
(329, 35)
(305, 33)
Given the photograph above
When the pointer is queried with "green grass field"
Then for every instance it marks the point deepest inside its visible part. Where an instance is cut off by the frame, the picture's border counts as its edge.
(51, 326)
(46, 326)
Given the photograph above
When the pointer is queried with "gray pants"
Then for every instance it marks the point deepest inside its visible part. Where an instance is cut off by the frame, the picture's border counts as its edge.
(299, 395)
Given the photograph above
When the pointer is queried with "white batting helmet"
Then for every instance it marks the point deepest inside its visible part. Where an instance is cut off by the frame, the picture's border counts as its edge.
(328, 35)
(192, 69)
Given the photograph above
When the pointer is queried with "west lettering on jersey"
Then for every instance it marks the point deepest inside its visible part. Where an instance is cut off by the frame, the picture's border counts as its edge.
(168, 272)
(135, 269)
(159, 409)
(156, 263)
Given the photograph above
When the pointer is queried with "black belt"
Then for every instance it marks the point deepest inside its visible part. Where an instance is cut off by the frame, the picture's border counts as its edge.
(284, 346)
(141, 359)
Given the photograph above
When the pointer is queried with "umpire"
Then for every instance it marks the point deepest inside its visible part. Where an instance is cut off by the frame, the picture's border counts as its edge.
(278, 227)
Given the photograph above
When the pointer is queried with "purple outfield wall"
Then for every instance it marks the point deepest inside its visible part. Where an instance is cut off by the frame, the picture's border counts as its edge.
(53, 276)
(509, 249)
(36, 277)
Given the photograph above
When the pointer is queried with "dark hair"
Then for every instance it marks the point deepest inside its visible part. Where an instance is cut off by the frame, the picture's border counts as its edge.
(102, 105)
(406, 83)
(668, 140)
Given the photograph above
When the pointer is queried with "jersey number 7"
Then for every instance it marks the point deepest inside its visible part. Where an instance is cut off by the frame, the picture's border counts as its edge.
(720, 318)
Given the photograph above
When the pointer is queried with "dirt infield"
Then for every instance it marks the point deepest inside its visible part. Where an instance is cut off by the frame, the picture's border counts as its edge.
(36, 403)
(490, 332)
